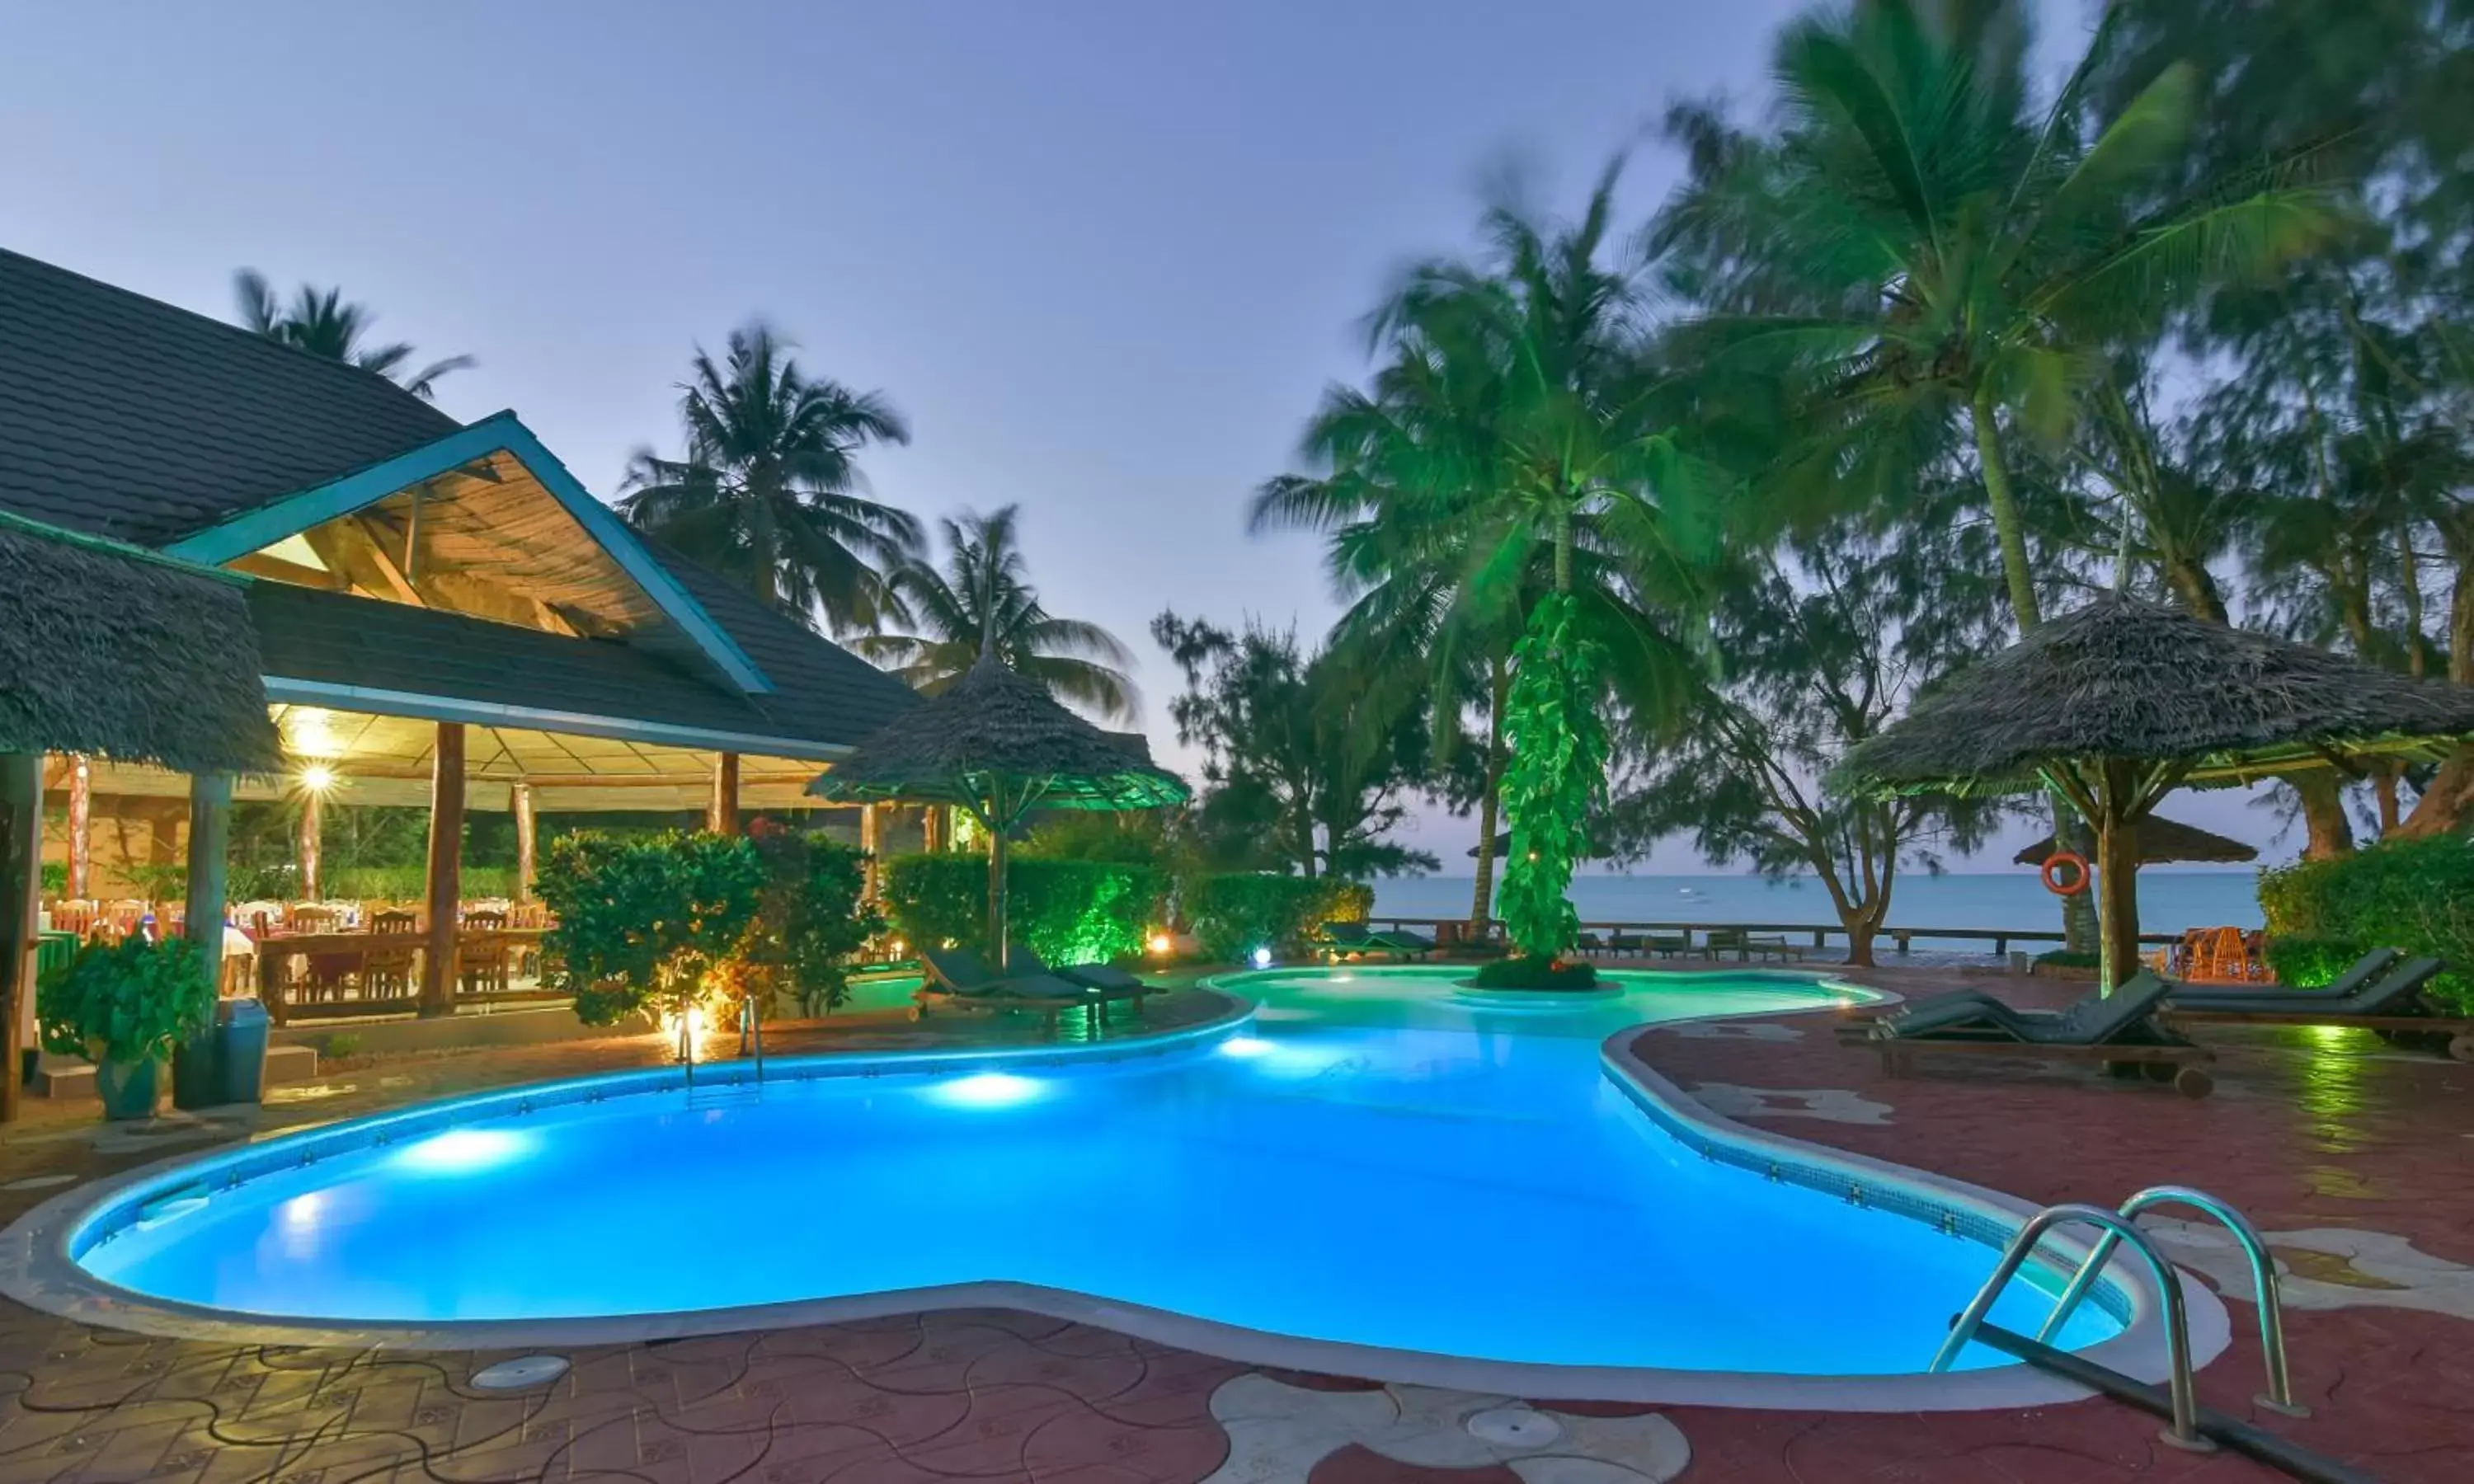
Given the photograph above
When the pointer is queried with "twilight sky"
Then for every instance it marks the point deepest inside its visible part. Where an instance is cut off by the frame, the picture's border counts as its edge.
(1103, 254)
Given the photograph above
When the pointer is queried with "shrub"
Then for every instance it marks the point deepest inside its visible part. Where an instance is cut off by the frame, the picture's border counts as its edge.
(2308, 963)
(644, 919)
(809, 921)
(2414, 895)
(1523, 972)
(409, 883)
(129, 1001)
(55, 878)
(1233, 912)
(2068, 958)
(1068, 911)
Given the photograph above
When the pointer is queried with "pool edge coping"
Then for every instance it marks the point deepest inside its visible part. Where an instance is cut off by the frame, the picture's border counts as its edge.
(36, 1270)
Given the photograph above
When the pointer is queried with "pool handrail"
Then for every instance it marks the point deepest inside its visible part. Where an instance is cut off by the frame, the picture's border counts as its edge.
(2183, 1432)
(2279, 1396)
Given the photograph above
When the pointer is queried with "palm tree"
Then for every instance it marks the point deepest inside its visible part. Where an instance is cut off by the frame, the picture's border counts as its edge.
(1919, 248)
(320, 322)
(982, 603)
(768, 493)
(1510, 451)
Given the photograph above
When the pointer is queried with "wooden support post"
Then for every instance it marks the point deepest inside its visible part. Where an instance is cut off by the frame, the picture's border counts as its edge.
(209, 839)
(446, 870)
(934, 830)
(871, 839)
(520, 798)
(998, 932)
(81, 828)
(21, 890)
(723, 816)
(312, 803)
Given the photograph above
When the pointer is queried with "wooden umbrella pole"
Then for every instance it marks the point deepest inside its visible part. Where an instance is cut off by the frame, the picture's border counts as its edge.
(996, 823)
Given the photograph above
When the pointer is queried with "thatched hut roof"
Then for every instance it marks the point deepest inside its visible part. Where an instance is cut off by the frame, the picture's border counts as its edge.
(996, 727)
(2162, 839)
(124, 654)
(2126, 679)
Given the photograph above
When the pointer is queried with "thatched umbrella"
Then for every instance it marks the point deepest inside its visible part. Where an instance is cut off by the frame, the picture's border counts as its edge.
(996, 746)
(115, 650)
(111, 649)
(2162, 839)
(2115, 705)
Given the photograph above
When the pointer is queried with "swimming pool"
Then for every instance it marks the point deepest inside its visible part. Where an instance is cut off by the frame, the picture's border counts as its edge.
(1370, 1162)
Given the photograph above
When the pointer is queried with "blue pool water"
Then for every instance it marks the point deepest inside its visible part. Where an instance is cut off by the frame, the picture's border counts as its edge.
(1372, 1163)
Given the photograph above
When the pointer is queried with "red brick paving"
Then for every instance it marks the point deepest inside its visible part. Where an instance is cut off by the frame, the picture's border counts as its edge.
(2301, 1133)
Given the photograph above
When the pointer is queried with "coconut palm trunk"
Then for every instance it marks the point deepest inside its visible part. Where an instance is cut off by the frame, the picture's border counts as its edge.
(1490, 804)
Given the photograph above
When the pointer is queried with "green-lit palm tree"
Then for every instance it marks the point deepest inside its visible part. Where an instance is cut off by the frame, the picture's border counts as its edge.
(982, 603)
(1509, 472)
(769, 492)
(320, 322)
(1922, 250)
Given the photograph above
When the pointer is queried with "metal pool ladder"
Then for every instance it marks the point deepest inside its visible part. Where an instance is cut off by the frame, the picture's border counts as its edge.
(2118, 1227)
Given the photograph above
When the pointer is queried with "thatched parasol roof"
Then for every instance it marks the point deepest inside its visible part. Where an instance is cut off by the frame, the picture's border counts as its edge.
(2135, 680)
(994, 727)
(115, 650)
(2162, 839)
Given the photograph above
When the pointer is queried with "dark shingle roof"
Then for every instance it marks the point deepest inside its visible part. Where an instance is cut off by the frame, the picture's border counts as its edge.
(126, 417)
(122, 415)
(821, 688)
(337, 639)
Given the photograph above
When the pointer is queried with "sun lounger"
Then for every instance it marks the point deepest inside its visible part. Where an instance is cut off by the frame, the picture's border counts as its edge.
(1341, 939)
(2120, 1029)
(2370, 988)
(1111, 984)
(2395, 1007)
(959, 979)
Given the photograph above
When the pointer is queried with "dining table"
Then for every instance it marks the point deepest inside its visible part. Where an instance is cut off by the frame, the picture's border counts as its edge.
(338, 961)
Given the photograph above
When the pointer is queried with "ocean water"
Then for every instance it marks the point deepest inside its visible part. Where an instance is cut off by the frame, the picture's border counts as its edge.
(2169, 901)
(1373, 1161)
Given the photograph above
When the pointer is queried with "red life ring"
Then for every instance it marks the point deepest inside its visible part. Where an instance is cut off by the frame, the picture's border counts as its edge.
(2079, 866)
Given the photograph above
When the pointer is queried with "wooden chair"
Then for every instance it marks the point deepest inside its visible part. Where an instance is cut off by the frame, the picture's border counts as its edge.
(390, 967)
(124, 916)
(482, 960)
(311, 917)
(74, 915)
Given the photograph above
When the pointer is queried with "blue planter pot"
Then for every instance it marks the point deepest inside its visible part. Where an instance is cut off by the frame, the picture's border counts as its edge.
(129, 1090)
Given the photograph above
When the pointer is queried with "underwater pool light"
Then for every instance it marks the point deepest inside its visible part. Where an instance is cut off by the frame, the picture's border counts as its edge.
(1244, 1046)
(988, 1090)
(463, 1151)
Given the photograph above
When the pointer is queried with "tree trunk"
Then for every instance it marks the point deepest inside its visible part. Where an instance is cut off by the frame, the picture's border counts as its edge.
(2117, 887)
(1490, 806)
(2384, 788)
(80, 828)
(2194, 587)
(2006, 526)
(1564, 552)
(2447, 805)
(2330, 836)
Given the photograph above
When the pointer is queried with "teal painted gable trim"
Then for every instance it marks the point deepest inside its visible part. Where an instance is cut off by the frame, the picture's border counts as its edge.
(254, 530)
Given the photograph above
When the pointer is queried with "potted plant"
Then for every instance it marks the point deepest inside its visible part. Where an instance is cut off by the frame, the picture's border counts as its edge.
(124, 1007)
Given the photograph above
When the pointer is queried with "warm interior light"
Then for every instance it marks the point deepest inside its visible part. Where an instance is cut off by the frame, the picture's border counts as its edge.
(316, 778)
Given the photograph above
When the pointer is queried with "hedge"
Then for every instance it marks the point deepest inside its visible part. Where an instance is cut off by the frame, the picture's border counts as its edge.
(1068, 911)
(2414, 895)
(1234, 912)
